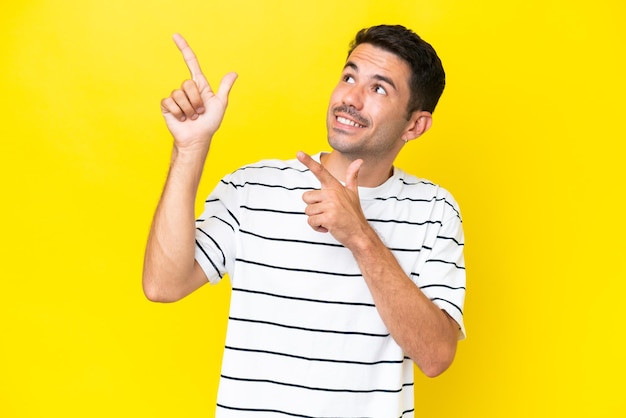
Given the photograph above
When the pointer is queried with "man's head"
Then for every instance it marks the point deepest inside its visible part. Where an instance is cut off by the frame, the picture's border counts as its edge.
(389, 86)
(427, 75)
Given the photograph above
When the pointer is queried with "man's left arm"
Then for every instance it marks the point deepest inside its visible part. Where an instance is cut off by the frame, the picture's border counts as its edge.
(425, 332)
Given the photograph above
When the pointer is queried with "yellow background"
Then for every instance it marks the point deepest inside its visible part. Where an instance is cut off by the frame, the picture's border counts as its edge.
(529, 137)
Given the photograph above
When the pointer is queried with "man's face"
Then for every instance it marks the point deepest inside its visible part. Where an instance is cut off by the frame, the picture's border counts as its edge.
(368, 107)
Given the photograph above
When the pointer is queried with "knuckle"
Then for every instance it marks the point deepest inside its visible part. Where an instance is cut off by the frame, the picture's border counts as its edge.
(188, 84)
(320, 170)
(177, 95)
(170, 105)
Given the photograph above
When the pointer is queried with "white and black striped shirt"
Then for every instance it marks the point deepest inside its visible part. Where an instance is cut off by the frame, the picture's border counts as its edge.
(304, 338)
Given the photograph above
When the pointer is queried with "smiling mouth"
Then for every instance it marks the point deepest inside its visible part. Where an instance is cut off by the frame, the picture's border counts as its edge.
(349, 116)
(349, 122)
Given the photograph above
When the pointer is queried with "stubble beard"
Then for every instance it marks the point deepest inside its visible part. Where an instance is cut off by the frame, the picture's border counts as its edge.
(342, 141)
(370, 146)
(366, 145)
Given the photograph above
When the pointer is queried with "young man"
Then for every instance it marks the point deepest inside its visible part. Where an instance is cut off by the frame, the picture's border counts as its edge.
(345, 270)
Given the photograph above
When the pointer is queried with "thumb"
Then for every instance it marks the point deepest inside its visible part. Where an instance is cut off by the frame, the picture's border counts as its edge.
(225, 85)
(352, 175)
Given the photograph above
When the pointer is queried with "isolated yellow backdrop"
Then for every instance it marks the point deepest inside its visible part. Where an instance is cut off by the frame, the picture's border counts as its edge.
(529, 137)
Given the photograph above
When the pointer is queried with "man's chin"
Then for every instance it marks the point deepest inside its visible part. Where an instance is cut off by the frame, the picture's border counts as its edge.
(345, 145)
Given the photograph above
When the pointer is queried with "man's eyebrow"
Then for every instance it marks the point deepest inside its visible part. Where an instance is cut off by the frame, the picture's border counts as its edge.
(379, 77)
(350, 64)
(386, 80)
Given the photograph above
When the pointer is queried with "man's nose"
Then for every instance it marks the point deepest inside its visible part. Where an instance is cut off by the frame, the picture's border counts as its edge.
(353, 97)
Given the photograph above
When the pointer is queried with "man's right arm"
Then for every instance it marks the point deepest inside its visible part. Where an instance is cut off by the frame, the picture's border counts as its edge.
(192, 113)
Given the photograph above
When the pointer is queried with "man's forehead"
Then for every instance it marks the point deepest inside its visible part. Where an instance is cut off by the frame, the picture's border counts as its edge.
(378, 61)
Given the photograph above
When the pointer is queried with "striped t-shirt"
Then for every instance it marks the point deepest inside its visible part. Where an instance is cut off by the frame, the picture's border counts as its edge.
(304, 338)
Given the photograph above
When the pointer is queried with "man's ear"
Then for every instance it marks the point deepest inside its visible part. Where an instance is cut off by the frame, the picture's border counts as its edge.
(419, 123)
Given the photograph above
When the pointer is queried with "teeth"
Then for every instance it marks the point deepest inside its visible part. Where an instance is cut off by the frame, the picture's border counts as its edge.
(347, 121)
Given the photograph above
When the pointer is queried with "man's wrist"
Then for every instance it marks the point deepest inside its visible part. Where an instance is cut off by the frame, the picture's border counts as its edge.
(366, 244)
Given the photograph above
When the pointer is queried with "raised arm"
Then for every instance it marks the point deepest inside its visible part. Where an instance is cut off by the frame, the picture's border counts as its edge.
(193, 113)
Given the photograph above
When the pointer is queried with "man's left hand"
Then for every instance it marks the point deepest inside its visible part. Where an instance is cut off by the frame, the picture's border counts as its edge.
(335, 208)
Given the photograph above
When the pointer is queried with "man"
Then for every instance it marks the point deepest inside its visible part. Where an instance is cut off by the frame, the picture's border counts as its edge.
(345, 270)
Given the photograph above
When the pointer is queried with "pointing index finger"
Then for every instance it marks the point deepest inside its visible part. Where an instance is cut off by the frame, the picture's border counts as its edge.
(326, 179)
(190, 57)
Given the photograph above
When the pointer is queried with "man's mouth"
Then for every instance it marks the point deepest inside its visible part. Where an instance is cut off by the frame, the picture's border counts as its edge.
(347, 115)
(349, 122)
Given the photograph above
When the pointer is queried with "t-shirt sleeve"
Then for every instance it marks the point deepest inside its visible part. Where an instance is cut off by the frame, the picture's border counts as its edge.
(216, 229)
(442, 278)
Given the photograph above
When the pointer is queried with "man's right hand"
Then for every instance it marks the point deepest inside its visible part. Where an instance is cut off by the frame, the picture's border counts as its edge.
(193, 113)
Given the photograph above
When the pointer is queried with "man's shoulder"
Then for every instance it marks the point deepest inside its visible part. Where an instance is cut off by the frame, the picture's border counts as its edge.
(416, 184)
(270, 171)
(273, 167)
(421, 188)
(274, 164)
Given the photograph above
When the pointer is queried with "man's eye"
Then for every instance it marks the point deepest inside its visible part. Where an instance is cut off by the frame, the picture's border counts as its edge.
(348, 79)
(380, 90)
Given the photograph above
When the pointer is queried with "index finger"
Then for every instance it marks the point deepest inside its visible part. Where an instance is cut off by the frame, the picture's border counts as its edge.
(323, 175)
(190, 57)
